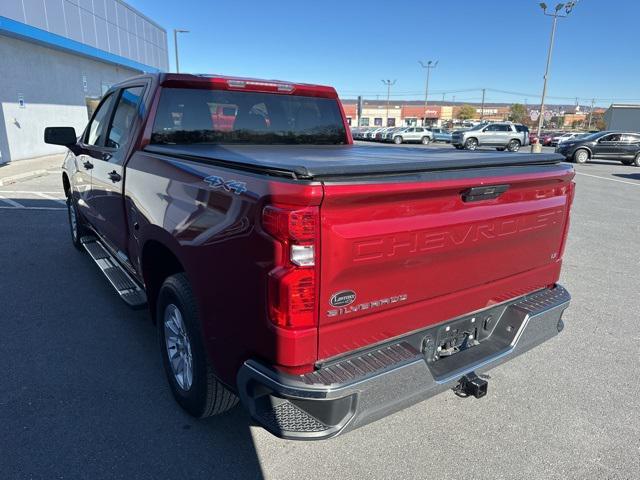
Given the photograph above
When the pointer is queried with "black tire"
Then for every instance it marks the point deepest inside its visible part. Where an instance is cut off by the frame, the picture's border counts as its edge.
(397, 139)
(636, 161)
(76, 228)
(513, 145)
(458, 147)
(205, 396)
(471, 144)
(627, 162)
(425, 140)
(581, 156)
(500, 149)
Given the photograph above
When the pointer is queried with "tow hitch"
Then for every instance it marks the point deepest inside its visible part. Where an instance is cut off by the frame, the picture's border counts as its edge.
(471, 385)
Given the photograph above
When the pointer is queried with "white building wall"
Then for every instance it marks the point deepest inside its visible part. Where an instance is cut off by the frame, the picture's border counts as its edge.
(51, 85)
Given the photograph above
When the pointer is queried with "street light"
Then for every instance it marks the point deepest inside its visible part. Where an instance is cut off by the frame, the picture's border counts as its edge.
(176, 31)
(388, 83)
(568, 7)
(427, 66)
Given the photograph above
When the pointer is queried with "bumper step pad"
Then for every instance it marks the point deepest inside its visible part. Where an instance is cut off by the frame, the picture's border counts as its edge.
(124, 285)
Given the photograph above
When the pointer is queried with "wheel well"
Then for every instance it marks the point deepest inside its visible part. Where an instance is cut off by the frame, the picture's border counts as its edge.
(158, 263)
(515, 140)
(66, 185)
(471, 138)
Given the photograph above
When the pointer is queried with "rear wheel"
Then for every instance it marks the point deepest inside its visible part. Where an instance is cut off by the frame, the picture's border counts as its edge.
(189, 372)
(636, 161)
(513, 145)
(397, 140)
(425, 140)
(471, 144)
(581, 156)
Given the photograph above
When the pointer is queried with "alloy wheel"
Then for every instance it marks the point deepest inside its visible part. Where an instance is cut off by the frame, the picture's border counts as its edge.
(178, 347)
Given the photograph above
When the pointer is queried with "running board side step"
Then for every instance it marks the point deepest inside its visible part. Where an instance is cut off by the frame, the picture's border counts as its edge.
(127, 287)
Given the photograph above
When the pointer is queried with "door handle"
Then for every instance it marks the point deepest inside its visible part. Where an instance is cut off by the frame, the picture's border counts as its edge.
(88, 165)
(114, 176)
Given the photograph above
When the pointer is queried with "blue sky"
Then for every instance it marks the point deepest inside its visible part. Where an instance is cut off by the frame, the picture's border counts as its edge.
(352, 45)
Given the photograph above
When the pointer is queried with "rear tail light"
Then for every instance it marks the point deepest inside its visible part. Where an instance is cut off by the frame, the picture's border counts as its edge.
(293, 286)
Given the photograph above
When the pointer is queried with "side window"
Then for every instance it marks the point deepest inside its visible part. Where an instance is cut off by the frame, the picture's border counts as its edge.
(504, 128)
(491, 128)
(98, 126)
(630, 138)
(613, 137)
(126, 112)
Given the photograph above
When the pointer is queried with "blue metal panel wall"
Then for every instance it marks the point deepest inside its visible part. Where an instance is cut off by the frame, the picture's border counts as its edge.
(111, 26)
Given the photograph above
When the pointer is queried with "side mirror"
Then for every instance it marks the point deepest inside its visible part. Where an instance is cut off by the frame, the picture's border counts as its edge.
(65, 136)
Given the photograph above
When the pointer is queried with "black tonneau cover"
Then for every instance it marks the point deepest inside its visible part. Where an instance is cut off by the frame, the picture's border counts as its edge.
(328, 161)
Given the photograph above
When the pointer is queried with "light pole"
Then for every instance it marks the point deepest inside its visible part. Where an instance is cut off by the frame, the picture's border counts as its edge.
(176, 31)
(568, 7)
(427, 66)
(388, 83)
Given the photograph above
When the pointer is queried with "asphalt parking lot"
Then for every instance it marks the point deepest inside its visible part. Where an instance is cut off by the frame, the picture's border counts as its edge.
(83, 394)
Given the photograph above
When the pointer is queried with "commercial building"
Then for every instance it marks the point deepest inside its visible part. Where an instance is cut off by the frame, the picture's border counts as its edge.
(376, 113)
(410, 113)
(623, 117)
(59, 57)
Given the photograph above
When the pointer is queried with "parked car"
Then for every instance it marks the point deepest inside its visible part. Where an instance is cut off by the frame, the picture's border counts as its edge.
(563, 137)
(620, 146)
(547, 138)
(533, 138)
(413, 135)
(504, 135)
(441, 135)
(388, 135)
(308, 282)
(371, 134)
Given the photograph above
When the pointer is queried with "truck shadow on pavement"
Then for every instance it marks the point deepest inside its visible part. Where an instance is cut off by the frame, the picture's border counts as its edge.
(82, 389)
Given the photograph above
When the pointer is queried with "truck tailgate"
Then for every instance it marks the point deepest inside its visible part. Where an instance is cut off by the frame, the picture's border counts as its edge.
(402, 254)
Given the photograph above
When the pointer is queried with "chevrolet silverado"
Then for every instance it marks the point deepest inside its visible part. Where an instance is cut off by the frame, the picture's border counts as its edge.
(323, 284)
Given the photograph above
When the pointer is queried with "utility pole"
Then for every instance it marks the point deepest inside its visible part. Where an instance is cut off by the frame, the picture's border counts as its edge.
(176, 31)
(482, 108)
(454, 99)
(389, 84)
(593, 102)
(443, 94)
(568, 7)
(427, 66)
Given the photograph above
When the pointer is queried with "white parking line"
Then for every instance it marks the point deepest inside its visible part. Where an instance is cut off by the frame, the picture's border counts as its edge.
(22, 192)
(610, 179)
(22, 207)
(49, 197)
(13, 203)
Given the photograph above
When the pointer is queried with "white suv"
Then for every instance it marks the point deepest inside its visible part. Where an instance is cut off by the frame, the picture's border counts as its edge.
(412, 134)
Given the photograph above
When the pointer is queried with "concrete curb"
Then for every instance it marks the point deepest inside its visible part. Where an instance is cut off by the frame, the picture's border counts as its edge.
(21, 177)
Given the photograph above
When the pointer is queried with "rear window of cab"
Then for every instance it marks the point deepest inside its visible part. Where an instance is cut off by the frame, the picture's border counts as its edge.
(195, 116)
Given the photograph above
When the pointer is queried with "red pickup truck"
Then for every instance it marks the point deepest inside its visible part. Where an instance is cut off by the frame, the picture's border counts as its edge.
(324, 284)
